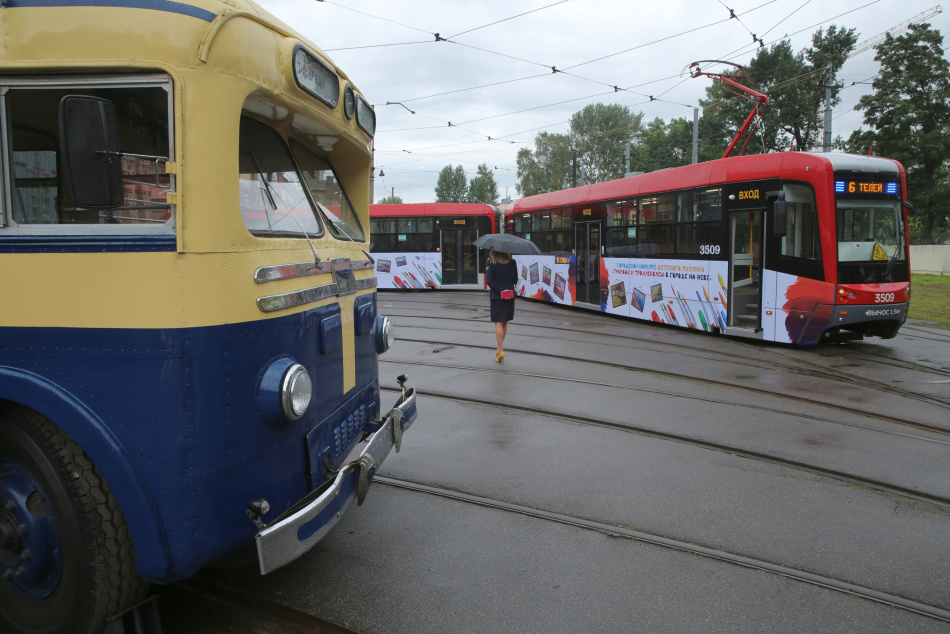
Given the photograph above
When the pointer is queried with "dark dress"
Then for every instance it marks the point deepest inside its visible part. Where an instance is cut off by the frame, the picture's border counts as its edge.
(501, 277)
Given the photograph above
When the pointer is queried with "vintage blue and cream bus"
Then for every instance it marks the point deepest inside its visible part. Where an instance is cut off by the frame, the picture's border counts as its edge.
(189, 337)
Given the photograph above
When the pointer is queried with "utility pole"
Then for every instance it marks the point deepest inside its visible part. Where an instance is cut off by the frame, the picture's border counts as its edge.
(826, 136)
(695, 135)
(573, 168)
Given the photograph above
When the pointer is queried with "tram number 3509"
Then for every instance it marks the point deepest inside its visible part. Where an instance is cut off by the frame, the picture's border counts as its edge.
(709, 249)
(883, 298)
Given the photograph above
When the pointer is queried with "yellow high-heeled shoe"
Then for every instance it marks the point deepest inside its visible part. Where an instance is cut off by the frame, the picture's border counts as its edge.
(499, 356)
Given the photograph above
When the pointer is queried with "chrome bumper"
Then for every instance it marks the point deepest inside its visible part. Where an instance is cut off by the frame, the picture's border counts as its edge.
(298, 530)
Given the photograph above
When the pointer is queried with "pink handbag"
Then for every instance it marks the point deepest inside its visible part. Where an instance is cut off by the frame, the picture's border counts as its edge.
(507, 294)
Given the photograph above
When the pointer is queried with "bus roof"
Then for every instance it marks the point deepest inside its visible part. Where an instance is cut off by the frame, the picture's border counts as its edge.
(194, 24)
(431, 209)
(728, 170)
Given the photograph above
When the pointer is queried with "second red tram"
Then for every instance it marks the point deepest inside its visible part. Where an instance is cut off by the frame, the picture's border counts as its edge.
(429, 245)
(789, 247)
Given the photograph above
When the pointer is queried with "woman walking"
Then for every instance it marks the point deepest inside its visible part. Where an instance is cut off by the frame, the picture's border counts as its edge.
(501, 276)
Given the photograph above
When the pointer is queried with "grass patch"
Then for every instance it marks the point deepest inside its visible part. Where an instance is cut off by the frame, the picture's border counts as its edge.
(930, 299)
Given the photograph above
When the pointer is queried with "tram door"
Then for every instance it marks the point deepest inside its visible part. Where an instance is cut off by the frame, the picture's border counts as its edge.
(459, 256)
(587, 249)
(745, 274)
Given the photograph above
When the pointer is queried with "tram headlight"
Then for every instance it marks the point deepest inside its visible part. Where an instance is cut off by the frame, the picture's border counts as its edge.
(296, 390)
(385, 333)
(284, 391)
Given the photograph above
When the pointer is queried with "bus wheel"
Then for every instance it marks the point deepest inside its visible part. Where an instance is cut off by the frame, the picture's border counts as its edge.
(66, 559)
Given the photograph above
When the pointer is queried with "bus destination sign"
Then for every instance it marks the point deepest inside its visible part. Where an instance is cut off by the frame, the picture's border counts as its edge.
(865, 187)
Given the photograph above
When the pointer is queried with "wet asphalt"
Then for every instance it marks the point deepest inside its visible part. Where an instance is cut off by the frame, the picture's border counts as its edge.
(833, 461)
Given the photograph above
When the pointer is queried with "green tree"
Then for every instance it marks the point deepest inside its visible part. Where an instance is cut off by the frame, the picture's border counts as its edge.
(452, 186)
(600, 134)
(909, 116)
(544, 169)
(664, 145)
(483, 188)
(392, 199)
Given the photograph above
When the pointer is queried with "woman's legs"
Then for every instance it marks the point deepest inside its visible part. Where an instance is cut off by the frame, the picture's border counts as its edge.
(501, 329)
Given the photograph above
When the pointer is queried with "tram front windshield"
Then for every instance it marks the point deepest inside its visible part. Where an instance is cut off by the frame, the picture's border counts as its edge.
(870, 242)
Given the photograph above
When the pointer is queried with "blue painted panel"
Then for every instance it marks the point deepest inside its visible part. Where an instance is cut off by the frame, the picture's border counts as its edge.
(155, 5)
(367, 359)
(331, 337)
(181, 404)
(86, 244)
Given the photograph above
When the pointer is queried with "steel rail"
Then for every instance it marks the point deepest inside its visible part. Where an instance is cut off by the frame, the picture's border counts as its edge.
(812, 368)
(626, 533)
(706, 381)
(868, 483)
(605, 319)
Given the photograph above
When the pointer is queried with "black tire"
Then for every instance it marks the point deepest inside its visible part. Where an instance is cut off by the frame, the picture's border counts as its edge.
(97, 577)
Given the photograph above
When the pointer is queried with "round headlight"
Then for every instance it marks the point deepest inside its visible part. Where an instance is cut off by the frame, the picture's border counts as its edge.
(349, 102)
(295, 392)
(385, 334)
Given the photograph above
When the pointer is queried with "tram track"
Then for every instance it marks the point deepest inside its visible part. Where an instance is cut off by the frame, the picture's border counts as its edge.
(804, 576)
(684, 377)
(790, 364)
(868, 483)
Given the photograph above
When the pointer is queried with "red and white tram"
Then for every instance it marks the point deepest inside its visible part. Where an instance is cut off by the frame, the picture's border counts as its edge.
(429, 245)
(789, 247)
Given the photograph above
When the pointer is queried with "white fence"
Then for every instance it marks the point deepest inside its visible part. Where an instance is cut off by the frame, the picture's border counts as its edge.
(930, 259)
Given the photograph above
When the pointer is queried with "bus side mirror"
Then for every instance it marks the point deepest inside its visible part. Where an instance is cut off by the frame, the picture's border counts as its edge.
(89, 148)
(908, 207)
(779, 214)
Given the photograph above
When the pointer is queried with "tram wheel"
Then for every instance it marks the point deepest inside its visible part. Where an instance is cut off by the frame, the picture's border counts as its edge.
(66, 558)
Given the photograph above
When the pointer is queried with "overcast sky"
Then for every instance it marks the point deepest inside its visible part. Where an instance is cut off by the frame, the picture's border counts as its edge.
(493, 79)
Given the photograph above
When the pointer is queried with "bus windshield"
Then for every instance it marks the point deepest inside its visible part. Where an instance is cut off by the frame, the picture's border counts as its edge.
(870, 242)
(328, 194)
(273, 199)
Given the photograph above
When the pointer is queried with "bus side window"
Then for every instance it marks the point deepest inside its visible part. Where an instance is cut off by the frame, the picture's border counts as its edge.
(39, 193)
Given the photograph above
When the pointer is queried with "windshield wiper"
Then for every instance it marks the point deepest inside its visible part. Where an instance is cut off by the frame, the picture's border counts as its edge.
(269, 190)
(342, 227)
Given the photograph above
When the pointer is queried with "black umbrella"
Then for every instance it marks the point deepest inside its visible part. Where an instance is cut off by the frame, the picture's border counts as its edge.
(507, 243)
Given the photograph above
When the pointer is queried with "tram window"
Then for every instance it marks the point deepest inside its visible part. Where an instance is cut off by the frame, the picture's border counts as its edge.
(382, 242)
(697, 206)
(406, 225)
(273, 199)
(425, 225)
(386, 225)
(690, 236)
(522, 223)
(621, 241)
(802, 238)
(38, 190)
(658, 209)
(655, 240)
(562, 241)
(621, 213)
(544, 241)
(327, 193)
(556, 215)
(540, 222)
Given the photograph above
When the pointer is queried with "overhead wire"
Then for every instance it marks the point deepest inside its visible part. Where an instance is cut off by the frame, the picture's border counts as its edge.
(562, 71)
(511, 18)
